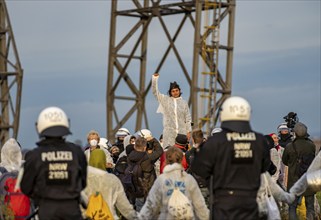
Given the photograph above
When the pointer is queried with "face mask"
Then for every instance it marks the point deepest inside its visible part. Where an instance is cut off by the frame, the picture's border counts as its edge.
(93, 143)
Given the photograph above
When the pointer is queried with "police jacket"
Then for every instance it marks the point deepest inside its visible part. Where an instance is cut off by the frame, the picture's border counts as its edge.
(55, 170)
(235, 159)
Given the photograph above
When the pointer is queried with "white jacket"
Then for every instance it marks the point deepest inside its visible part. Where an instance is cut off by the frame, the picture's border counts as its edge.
(11, 156)
(112, 191)
(156, 203)
(176, 116)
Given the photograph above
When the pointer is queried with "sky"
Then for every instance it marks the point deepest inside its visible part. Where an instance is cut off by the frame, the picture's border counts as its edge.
(63, 49)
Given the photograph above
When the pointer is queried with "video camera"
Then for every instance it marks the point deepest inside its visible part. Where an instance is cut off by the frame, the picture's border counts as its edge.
(291, 119)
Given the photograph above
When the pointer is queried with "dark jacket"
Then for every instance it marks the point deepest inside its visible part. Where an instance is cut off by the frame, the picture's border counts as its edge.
(190, 154)
(304, 147)
(232, 167)
(147, 164)
(55, 170)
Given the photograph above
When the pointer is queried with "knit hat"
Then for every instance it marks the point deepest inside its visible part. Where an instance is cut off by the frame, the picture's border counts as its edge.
(300, 129)
(98, 159)
(181, 139)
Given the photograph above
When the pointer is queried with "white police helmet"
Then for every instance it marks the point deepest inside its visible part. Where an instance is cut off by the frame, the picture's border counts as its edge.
(216, 130)
(122, 132)
(283, 126)
(235, 108)
(52, 122)
(145, 133)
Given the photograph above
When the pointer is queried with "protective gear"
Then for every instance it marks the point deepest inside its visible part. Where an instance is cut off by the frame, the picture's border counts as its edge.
(122, 132)
(282, 126)
(235, 109)
(145, 133)
(52, 122)
(235, 115)
(216, 130)
(93, 143)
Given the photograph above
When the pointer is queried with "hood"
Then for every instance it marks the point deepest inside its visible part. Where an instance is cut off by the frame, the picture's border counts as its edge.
(11, 155)
(127, 140)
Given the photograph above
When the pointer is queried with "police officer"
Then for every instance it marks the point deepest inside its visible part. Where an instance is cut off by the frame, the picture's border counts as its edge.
(235, 158)
(55, 172)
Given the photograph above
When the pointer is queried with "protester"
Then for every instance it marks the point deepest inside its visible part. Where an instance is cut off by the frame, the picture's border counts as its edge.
(235, 157)
(11, 156)
(181, 142)
(175, 110)
(147, 162)
(174, 175)
(300, 149)
(198, 141)
(276, 158)
(93, 139)
(55, 172)
(108, 185)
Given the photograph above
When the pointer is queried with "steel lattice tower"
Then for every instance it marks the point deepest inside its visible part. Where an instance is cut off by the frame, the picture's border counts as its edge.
(10, 79)
(209, 78)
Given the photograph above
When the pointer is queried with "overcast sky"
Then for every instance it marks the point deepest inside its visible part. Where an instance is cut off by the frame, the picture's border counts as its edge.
(63, 48)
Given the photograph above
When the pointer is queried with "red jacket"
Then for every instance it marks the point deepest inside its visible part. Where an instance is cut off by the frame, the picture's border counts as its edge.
(163, 159)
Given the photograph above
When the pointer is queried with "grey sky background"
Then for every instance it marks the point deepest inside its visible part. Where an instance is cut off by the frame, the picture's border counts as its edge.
(63, 48)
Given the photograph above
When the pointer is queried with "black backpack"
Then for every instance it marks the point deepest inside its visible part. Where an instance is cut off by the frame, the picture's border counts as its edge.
(133, 179)
(303, 161)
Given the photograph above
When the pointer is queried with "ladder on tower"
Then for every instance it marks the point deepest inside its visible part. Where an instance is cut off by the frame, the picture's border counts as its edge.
(210, 55)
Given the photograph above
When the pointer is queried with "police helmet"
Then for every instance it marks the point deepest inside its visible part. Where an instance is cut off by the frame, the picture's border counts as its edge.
(52, 122)
(235, 108)
(122, 132)
(235, 115)
(145, 133)
(282, 127)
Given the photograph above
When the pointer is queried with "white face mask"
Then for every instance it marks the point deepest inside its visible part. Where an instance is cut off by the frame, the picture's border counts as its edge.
(93, 143)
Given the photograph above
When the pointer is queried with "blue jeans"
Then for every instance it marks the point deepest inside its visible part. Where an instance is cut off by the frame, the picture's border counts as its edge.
(309, 204)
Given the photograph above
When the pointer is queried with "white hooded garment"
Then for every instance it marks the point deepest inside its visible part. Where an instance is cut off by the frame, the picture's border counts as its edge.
(11, 156)
(156, 203)
(112, 191)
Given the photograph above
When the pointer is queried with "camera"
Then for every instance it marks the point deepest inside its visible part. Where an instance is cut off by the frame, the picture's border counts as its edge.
(291, 119)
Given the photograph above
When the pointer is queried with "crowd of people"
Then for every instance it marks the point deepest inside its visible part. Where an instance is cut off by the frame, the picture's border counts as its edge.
(221, 176)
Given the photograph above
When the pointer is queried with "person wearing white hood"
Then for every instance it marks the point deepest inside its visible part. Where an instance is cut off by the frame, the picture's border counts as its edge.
(11, 156)
(176, 115)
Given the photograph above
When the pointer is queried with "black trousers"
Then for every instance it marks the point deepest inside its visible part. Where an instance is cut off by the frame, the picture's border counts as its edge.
(234, 207)
(59, 210)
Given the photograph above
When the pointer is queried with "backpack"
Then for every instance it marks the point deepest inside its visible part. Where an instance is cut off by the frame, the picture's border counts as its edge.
(303, 162)
(179, 206)
(133, 179)
(16, 201)
(98, 209)
(121, 166)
